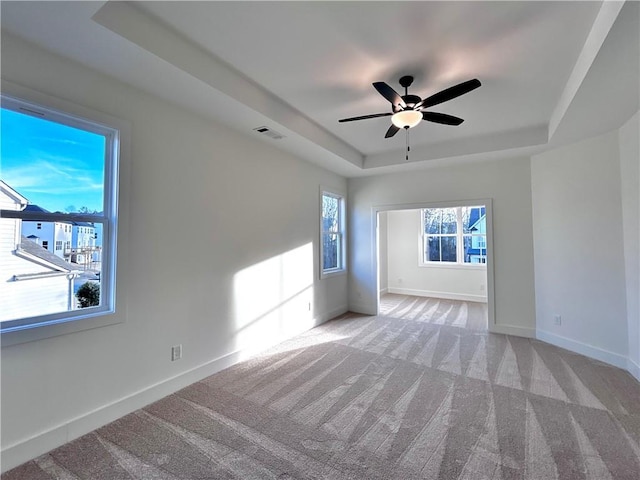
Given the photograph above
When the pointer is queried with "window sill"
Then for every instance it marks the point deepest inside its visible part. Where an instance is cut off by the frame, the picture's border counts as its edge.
(55, 328)
(454, 266)
(333, 273)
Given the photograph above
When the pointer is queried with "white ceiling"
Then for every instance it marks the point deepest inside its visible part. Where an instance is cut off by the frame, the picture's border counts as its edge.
(547, 68)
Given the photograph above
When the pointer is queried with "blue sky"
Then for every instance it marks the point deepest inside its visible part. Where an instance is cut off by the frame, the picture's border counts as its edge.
(52, 165)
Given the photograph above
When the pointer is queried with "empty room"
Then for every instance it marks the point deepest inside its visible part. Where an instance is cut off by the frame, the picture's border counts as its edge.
(309, 240)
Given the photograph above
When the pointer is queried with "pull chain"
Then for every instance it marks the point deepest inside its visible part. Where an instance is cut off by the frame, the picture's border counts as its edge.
(408, 147)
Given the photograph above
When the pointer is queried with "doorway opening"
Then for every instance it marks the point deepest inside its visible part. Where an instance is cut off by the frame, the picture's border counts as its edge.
(435, 263)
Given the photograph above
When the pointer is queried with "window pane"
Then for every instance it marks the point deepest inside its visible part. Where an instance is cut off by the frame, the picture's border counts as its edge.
(448, 249)
(433, 253)
(87, 257)
(330, 213)
(449, 220)
(474, 220)
(441, 249)
(330, 251)
(58, 168)
(440, 220)
(38, 280)
(432, 220)
(475, 248)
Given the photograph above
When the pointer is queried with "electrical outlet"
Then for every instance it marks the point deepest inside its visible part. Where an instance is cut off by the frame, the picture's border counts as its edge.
(176, 352)
(482, 287)
(557, 320)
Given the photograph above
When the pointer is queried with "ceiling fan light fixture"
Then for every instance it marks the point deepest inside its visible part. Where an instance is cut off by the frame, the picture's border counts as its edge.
(406, 118)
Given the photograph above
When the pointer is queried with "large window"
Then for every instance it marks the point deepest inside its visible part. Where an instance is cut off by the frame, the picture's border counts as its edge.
(57, 169)
(332, 233)
(454, 235)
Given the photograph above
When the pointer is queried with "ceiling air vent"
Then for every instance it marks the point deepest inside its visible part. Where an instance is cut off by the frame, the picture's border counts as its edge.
(269, 133)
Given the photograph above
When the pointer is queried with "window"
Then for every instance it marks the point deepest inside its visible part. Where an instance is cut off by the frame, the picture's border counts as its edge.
(332, 233)
(454, 235)
(57, 168)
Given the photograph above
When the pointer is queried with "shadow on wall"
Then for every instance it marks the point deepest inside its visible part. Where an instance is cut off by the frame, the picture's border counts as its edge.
(273, 300)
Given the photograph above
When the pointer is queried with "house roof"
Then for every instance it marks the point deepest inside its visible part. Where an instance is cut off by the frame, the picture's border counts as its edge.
(476, 215)
(42, 253)
(4, 187)
(83, 224)
(36, 208)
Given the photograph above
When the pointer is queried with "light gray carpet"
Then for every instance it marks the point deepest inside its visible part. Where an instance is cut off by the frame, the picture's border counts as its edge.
(378, 398)
(469, 315)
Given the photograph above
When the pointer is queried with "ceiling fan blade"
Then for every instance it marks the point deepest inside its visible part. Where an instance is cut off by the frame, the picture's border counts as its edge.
(389, 93)
(441, 118)
(364, 117)
(449, 93)
(392, 131)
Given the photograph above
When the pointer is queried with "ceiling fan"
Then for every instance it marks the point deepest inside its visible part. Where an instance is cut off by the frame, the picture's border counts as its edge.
(408, 110)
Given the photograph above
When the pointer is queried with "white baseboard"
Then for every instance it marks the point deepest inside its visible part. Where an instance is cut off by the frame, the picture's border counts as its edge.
(633, 368)
(25, 450)
(605, 356)
(30, 448)
(383, 291)
(325, 317)
(363, 308)
(465, 297)
(517, 331)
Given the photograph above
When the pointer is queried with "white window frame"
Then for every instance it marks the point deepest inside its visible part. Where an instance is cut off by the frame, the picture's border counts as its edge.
(459, 235)
(341, 233)
(40, 105)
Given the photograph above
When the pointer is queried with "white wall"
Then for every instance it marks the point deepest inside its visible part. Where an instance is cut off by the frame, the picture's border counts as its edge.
(507, 182)
(579, 256)
(406, 276)
(629, 138)
(236, 257)
(383, 250)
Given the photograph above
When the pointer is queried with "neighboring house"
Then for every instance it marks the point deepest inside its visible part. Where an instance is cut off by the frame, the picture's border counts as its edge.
(54, 236)
(478, 225)
(83, 235)
(34, 281)
(83, 242)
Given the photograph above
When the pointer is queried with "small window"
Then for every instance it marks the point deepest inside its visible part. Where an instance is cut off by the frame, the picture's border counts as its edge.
(455, 235)
(57, 169)
(332, 233)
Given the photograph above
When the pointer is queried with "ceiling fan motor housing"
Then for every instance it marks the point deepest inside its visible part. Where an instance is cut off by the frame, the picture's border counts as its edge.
(411, 100)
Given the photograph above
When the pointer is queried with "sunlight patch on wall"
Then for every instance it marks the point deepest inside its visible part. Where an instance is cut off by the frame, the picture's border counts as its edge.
(273, 299)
